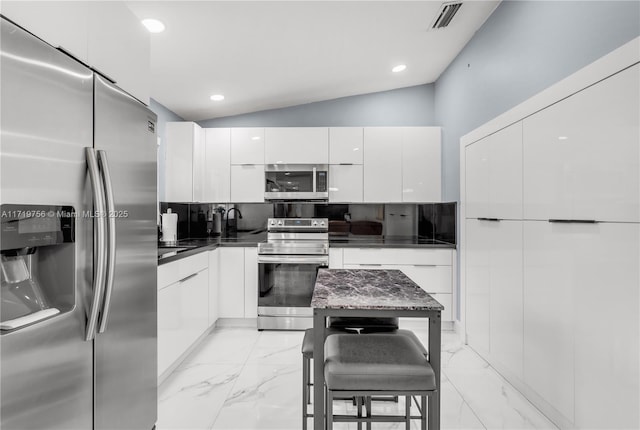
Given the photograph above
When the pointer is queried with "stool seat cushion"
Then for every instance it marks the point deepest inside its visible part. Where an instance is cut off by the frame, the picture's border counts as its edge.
(307, 341)
(384, 362)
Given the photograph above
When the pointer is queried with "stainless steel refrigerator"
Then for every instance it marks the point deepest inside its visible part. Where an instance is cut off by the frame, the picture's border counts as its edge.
(78, 245)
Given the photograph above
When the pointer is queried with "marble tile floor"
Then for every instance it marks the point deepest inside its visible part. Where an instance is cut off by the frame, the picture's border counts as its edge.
(242, 379)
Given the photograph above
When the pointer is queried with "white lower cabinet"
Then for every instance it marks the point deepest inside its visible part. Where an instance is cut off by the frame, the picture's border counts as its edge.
(431, 269)
(335, 258)
(183, 307)
(251, 282)
(581, 332)
(214, 286)
(231, 287)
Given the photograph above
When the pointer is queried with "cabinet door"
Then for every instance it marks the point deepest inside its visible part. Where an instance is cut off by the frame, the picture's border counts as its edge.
(247, 183)
(199, 165)
(505, 173)
(214, 285)
(170, 326)
(478, 284)
(179, 162)
(477, 178)
(581, 154)
(606, 305)
(335, 258)
(346, 145)
(231, 287)
(194, 297)
(421, 164)
(505, 297)
(123, 55)
(550, 270)
(247, 145)
(345, 183)
(217, 179)
(383, 164)
(251, 282)
(301, 145)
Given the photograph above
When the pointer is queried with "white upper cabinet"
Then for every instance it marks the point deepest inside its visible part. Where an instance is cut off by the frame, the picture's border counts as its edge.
(402, 164)
(247, 183)
(421, 164)
(494, 175)
(180, 143)
(346, 145)
(217, 178)
(345, 183)
(297, 145)
(581, 155)
(382, 164)
(199, 166)
(247, 145)
(87, 31)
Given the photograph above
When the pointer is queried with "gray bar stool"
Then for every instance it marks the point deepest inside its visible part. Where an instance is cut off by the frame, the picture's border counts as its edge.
(380, 364)
(340, 325)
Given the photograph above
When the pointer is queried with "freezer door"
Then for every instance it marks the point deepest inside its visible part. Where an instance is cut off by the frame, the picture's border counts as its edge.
(46, 122)
(126, 352)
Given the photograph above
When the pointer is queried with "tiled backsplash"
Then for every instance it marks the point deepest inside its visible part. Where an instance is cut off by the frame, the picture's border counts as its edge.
(432, 221)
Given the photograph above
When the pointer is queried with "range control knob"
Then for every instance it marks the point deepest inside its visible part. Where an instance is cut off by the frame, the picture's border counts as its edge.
(314, 223)
(273, 222)
(322, 223)
(280, 222)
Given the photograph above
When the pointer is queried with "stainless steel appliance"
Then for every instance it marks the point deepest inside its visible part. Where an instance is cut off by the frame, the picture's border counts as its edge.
(296, 182)
(288, 264)
(78, 245)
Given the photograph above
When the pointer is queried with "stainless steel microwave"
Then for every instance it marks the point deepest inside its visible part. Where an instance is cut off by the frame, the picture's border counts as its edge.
(296, 182)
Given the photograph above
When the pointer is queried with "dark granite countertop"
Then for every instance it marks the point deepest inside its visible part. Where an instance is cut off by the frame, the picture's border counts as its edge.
(187, 247)
(363, 241)
(369, 289)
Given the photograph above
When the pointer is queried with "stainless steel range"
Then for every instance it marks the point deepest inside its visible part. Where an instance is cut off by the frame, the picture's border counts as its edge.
(288, 264)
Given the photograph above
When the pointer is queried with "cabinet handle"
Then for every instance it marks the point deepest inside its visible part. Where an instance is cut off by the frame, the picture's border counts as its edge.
(574, 221)
(425, 265)
(488, 219)
(188, 277)
(365, 264)
(345, 164)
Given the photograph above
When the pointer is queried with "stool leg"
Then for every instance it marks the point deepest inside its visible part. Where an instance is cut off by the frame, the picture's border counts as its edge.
(407, 411)
(369, 412)
(329, 409)
(423, 415)
(309, 384)
(305, 391)
(359, 407)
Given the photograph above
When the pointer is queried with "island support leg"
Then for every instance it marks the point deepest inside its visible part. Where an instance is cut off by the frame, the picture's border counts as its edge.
(434, 360)
(319, 324)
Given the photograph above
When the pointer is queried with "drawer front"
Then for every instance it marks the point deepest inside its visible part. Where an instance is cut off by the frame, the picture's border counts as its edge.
(195, 263)
(168, 274)
(405, 256)
(432, 279)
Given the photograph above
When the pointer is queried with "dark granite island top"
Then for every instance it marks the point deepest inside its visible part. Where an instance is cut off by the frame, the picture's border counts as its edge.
(370, 289)
(371, 293)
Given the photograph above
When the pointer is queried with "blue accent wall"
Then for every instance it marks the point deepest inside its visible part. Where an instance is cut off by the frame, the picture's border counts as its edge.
(410, 106)
(523, 48)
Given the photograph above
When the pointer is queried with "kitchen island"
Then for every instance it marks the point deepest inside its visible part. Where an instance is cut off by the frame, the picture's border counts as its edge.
(371, 293)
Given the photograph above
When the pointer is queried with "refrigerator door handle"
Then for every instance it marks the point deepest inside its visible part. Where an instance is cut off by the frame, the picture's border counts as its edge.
(100, 237)
(111, 242)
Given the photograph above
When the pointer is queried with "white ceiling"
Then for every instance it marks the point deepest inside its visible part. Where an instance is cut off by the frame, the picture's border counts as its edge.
(270, 54)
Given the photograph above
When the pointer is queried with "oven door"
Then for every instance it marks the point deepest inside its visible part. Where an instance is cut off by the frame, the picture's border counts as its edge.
(285, 283)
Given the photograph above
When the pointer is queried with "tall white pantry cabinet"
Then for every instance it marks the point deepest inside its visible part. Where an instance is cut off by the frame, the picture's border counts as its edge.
(550, 250)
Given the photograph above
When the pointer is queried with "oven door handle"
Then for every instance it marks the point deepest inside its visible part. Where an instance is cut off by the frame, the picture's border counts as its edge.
(294, 259)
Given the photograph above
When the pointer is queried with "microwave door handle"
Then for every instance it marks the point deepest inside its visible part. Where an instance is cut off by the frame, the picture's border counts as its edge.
(100, 225)
(111, 243)
(314, 179)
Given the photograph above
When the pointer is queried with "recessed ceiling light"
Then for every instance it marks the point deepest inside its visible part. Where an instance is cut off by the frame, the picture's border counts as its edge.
(153, 25)
(399, 68)
(255, 138)
(562, 137)
(217, 97)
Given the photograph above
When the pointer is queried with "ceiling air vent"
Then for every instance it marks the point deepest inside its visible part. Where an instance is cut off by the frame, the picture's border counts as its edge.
(445, 14)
